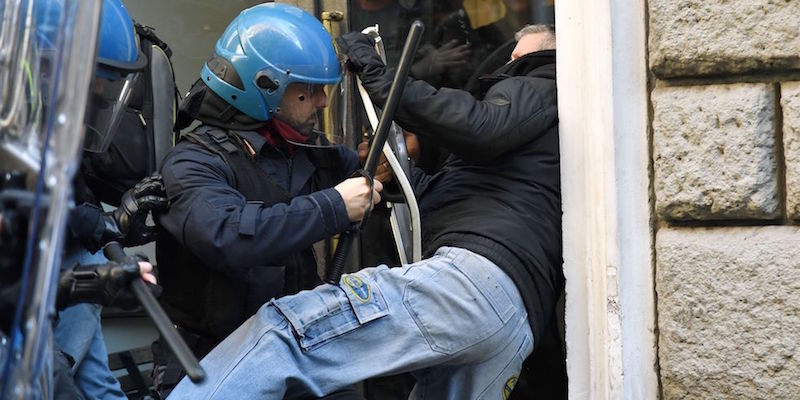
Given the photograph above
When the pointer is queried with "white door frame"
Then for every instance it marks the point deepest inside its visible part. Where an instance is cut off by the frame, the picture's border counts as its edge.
(605, 164)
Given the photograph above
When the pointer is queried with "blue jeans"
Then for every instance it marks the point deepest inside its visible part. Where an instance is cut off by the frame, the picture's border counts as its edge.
(78, 334)
(455, 320)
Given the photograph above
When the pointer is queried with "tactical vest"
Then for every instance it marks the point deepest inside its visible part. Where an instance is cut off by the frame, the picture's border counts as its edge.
(212, 304)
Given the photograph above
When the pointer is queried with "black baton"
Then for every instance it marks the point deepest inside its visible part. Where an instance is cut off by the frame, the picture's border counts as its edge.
(114, 252)
(376, 148)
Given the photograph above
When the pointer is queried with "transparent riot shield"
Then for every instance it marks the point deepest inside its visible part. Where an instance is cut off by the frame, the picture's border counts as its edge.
(46, 48)
(404, 218)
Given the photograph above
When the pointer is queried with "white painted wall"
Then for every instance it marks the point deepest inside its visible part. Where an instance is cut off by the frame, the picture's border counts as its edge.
(610, 309)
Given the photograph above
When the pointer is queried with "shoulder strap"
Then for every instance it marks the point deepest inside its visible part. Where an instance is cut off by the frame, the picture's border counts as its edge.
(213, 140)
(251, 179)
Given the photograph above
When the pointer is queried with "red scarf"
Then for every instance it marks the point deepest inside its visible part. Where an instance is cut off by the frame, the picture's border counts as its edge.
(281, 135)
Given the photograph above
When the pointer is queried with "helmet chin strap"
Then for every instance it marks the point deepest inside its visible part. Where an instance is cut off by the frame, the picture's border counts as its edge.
(314, 137)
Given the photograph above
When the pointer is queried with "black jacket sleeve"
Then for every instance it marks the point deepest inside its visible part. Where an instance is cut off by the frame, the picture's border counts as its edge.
(477, 131)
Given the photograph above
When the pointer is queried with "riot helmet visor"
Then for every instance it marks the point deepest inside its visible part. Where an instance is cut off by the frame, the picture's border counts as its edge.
(108, 99)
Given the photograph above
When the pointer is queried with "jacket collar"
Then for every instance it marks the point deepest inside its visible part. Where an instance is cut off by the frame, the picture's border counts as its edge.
(253, 139)
(527, 63)
(522, 66)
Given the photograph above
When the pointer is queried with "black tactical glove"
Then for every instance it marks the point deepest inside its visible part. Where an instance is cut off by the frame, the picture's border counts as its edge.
(361, 57)
(104, 284)
(127, 224)
(130, 217)
(360, 51)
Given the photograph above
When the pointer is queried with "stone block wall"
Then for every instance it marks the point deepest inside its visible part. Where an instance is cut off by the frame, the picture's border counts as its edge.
(729, 312)
(705, 37)
(790, 104)
(726, 183)
(714, 152)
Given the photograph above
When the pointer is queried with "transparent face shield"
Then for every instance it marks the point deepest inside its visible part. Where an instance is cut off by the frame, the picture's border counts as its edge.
(108, 99)
(307, 108)
(337, 127)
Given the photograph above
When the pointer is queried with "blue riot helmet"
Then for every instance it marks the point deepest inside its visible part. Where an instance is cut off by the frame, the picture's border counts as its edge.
(118, 47)
(119, 62)
(264, 49)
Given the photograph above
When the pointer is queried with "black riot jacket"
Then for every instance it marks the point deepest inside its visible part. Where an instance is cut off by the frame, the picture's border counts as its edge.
(211, 286)
(498, 194)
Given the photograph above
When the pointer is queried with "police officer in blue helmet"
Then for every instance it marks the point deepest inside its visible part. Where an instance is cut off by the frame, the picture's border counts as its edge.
(255, 185)
(89, 282)
(119, 64)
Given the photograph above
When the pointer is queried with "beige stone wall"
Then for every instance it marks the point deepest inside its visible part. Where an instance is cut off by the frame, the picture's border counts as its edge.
(726, 181)
(729, 312)
(703, 37)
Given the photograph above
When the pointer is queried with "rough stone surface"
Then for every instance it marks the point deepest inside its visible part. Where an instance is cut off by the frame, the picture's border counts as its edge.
(715, 152)
(790, 104)
(729, 312)
(700, 37)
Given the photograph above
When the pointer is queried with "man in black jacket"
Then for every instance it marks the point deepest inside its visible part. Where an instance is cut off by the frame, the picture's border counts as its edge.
(464, 318)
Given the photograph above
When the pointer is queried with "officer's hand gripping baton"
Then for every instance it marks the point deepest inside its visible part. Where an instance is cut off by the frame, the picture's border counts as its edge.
(376, 148)
(113, 251)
